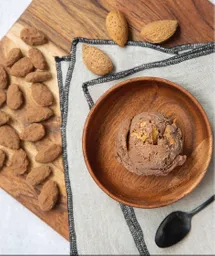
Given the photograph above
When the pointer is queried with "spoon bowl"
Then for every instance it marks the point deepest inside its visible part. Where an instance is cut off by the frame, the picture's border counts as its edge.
(173, 229)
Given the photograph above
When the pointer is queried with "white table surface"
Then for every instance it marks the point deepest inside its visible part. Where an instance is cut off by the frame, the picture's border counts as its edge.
(21, 232)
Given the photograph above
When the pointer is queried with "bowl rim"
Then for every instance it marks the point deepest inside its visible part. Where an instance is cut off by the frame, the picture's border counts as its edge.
(97, 105)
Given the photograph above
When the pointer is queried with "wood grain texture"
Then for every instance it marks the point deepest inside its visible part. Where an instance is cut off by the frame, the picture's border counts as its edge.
(61, 21)
(128, 99)
(86, 18)
(17, 185)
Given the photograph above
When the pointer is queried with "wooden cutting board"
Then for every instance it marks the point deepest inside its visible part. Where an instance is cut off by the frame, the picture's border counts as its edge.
(61, 21)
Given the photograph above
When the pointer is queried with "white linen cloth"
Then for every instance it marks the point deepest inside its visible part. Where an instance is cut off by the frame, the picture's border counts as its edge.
(97, 223)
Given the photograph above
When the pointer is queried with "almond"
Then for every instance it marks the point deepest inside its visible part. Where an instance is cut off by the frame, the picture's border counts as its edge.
(22, 67)
(37, 59)
(96, 60)
(4, 118)
(2, 97)
(38, 76)
(2, 158)
(33, 36)
(14, 97)
(41, 94)
(48, 196)
(48, 154)
(13, 56)
(9, 137)
(33, 133)
(159, 31)
(19, 162)
(3, 78)
(117, 27)
(38, 175)
(36, 115)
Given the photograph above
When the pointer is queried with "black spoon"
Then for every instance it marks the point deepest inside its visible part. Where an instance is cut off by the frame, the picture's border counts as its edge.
(177, 225)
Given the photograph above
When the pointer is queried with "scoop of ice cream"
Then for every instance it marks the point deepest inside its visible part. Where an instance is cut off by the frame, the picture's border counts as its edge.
(149, 144)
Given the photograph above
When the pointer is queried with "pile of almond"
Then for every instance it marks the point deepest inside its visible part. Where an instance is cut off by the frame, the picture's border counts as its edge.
(155, 32)
(35, 70)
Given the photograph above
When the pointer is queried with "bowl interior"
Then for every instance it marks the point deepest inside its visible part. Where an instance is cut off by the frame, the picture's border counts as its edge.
(126, 100)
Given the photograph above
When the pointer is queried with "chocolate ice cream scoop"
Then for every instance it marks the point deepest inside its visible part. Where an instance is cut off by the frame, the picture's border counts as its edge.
(149, 144)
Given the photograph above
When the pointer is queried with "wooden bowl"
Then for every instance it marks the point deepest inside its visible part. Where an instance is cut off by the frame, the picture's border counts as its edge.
(125, 100)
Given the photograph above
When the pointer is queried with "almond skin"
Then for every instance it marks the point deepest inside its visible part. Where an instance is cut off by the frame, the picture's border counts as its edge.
(3, 97)
(48, 154)
(4, 118)
(36, 115)
(3, 78)
(117, 27)
(2, 158)
(33, 133)
(33, 36)
(37, 59)
(42, 95)
(19, 162)
(14, 97)
(38, 175)
(38, 76)
(48, 196)
(13, 56)
(9, 137)
(159, 31)
(22, 67)
(96, 60)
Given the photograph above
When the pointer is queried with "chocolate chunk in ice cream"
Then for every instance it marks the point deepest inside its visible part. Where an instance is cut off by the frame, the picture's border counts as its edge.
(150, 144)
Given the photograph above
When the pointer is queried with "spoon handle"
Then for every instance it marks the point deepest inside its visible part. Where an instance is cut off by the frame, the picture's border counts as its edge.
(202, 206)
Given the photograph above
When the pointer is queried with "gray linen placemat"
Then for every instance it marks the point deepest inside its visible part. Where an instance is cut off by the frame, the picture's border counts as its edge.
(98, 224)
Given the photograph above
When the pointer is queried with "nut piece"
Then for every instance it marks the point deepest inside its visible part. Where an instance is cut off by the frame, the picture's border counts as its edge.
(36, 115)
(9, 137)
(22, 67)
(33, 36)
(48, 154)
(33, 133)
(117, 27)
(19, 162)
(48, 196)
(3, 78)
(13, 56)
(38, 175)
(2, 97)
(38, 76)
(14, 97)
(37, 59)
(159, 31)
(2, 158)
(96, 60)
(4, 118)
(41, 94)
